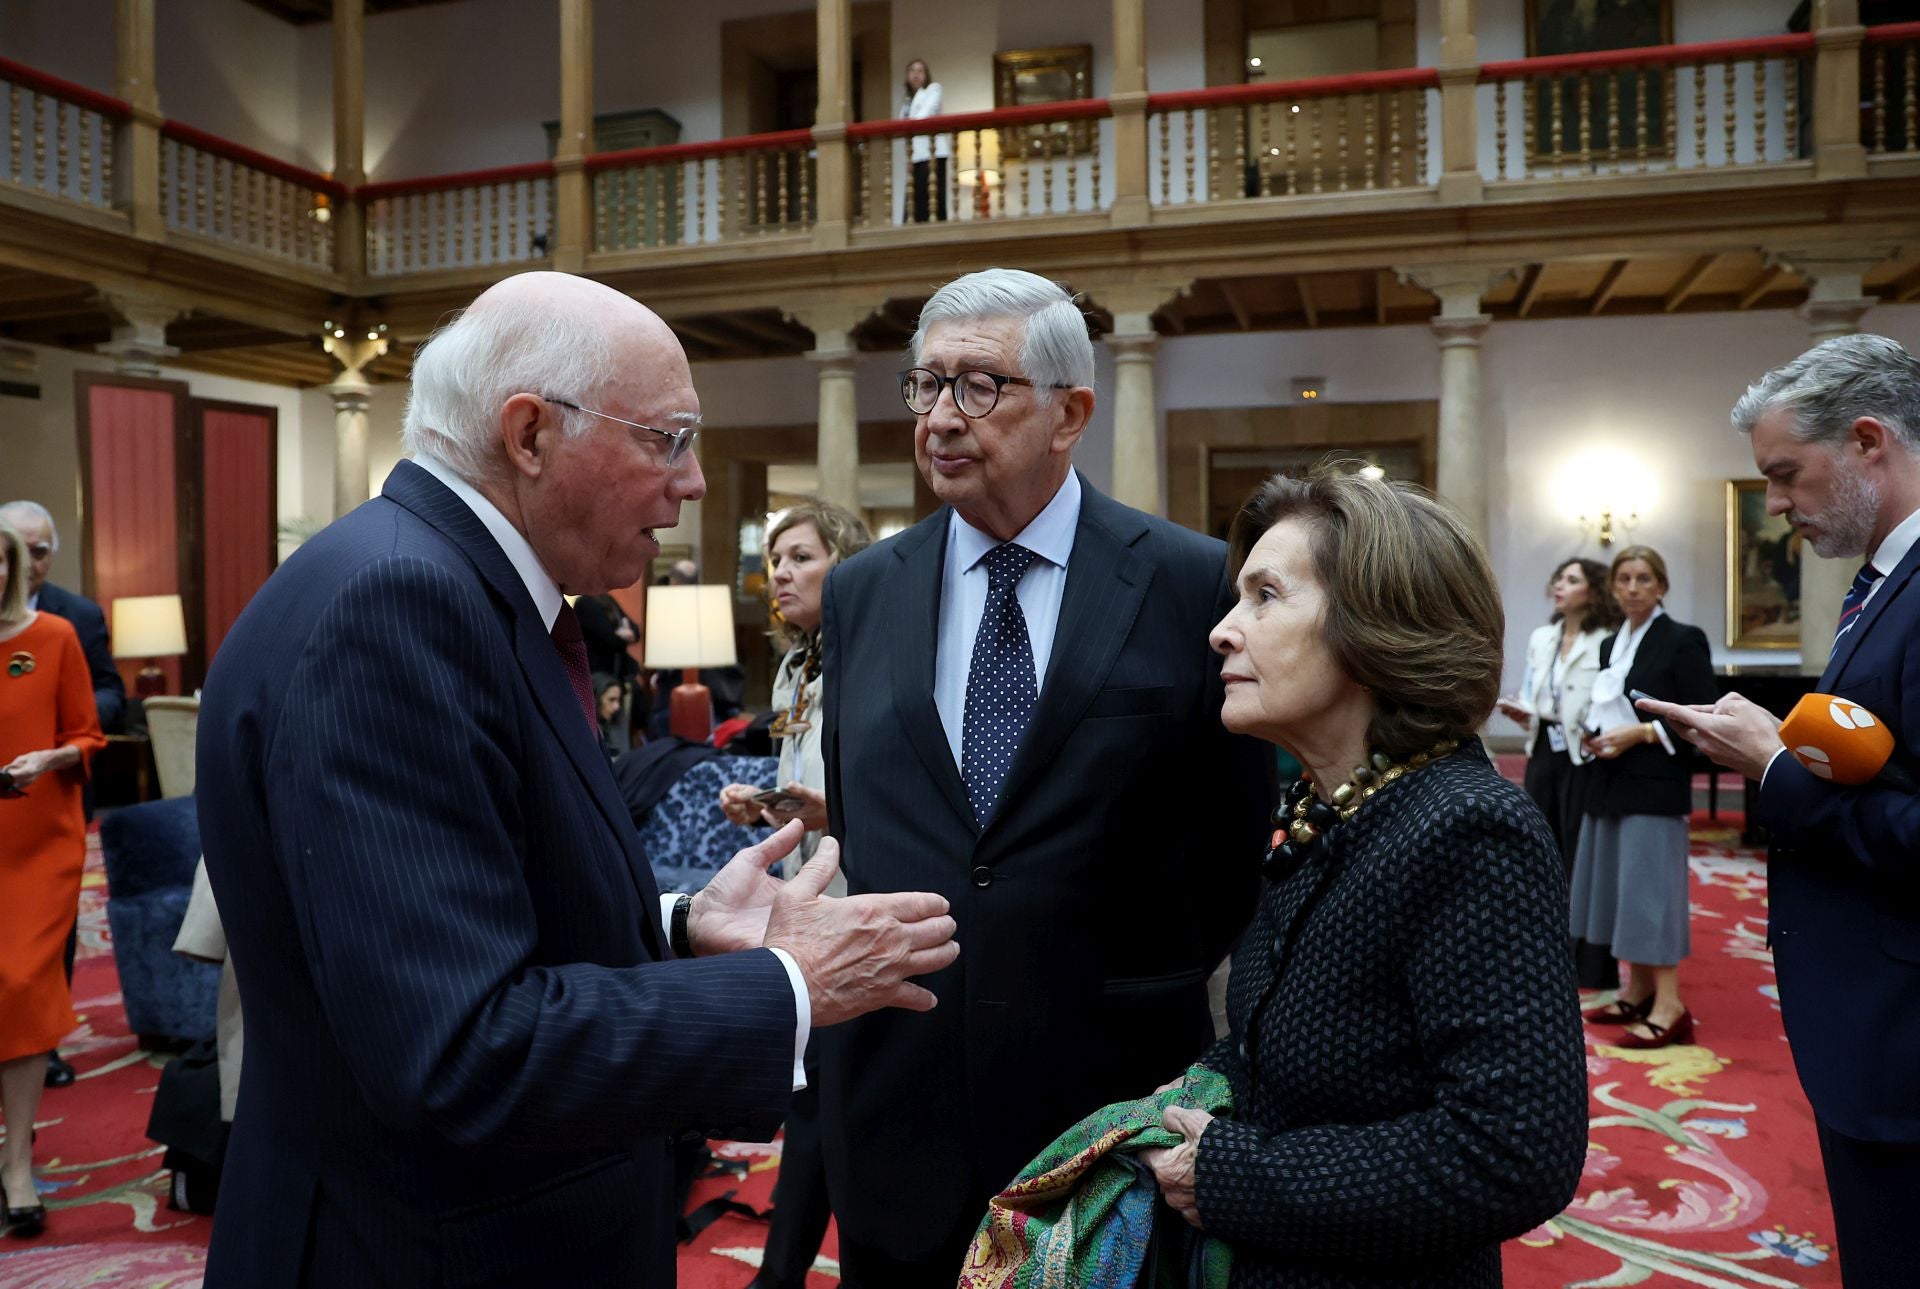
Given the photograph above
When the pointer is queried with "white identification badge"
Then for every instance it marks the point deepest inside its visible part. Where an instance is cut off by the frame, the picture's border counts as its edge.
(1557, 737)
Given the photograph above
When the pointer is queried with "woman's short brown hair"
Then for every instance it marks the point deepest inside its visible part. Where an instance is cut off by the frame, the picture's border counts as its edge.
(842, 532)
(1413, 612)
(1603, 611)
(13, 601)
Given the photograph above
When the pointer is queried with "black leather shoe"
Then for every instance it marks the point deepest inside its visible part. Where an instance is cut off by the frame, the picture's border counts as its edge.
(59, 1071)
(23, 1223)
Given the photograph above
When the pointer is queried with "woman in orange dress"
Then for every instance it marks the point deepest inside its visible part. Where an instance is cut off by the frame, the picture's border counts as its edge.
(49, 730)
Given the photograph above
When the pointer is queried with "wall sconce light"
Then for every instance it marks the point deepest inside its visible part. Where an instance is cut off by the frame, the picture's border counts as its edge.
(1605, 525)
(1309, 389)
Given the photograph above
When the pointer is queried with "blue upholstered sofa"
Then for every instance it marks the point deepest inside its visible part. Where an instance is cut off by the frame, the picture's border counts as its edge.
(150, 852)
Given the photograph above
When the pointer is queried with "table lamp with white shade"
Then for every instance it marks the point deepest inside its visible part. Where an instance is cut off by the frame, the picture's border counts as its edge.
(690, 627)
(149, 627)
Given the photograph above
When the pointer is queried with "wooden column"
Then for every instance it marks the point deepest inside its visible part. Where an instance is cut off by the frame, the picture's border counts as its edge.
(1139, 461)
(1459, 70)
(136, 141)
(833, 187)
(1129, 101)
(835, 355)
(352, 395)
(1837, 150)
(349, 134)
(572, 203)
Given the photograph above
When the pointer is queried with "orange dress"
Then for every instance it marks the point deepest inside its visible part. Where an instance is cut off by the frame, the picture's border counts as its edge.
(43, 835)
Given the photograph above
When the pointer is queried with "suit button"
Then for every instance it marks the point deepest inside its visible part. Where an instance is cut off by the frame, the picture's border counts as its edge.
(983, 876)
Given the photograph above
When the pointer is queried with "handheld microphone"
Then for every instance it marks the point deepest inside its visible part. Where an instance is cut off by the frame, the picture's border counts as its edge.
(1842, 742)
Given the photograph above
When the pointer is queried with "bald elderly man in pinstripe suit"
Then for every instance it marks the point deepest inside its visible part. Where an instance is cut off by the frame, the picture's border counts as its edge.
(475, 1026)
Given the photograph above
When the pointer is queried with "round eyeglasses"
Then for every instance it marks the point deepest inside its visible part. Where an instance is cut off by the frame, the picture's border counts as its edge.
(975, 393)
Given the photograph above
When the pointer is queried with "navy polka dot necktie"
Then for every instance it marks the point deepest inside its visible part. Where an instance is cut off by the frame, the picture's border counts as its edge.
(1856, 598)
(1001, 689)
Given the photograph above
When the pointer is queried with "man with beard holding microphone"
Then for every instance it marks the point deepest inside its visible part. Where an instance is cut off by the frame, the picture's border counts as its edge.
(1836, 432)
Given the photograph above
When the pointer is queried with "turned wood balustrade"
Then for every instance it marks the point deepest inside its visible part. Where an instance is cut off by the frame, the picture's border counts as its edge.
(1724, 106)
(1353, 133)
(59, 136)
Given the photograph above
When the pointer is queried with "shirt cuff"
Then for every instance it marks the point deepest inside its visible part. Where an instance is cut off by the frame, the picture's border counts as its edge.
(802, 999)
(1666, 740)
(803, 1017)
(1769, 770)
(667, 902)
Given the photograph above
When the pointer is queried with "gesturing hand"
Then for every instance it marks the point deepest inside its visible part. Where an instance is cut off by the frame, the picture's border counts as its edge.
(731, 913)
(1173, 1166)
(858, 953)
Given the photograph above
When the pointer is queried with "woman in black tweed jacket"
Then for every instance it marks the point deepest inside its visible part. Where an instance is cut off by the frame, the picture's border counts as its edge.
(1408, 1071)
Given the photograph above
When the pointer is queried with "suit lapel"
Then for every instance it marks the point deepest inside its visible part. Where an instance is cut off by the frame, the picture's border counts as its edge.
(1652, 652)
(425, 496)
(1849, 643)
(1106, 581)
(922, 553)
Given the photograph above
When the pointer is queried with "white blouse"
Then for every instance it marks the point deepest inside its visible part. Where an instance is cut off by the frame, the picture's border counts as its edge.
(924, 103)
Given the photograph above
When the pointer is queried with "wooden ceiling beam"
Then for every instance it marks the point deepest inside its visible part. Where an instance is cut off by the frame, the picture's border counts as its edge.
(705, 333)
(1688, 282)
(1307, 308)
(1762, 284)
(1530, 288)
(1237, 305)
(1907, 289)
(1608, 285)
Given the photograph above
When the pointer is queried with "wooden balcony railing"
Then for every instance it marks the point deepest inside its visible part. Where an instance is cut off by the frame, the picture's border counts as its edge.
(244, 199)
(1892, 60)
(1671, 107)
(1327, 134)
(476, 217)
(1011, 163)
(60, 136)
(704, 194)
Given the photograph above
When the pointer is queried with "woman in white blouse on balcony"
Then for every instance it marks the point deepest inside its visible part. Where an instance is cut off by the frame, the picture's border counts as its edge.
(927, 152)
(1563, 658)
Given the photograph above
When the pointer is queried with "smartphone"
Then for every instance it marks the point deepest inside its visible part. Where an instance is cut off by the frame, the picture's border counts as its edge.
(1638, 694)
(6, 785)
(777, 802)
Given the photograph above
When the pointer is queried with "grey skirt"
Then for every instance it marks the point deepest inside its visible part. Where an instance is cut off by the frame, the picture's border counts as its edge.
(1630, 887)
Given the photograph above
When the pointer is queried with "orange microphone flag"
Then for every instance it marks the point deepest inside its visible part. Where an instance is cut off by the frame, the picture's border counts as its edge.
(1836, 739)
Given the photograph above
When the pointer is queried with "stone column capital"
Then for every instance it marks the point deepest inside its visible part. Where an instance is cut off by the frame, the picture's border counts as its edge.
(835, 354)
(353, 354)
(1460, 287)
(139, 345)
(1134, 301)
(1132, 346)
(1821, 260)
(1826, 319)
(830, 316)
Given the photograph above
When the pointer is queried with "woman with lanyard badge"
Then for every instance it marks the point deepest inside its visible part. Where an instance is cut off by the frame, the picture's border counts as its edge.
(1563, 658)
(804, 544)
(1630, 871)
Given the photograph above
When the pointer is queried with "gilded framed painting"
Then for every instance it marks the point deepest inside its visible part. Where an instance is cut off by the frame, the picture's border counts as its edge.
(1058, 74)
(1763, 571)
(1578, 119)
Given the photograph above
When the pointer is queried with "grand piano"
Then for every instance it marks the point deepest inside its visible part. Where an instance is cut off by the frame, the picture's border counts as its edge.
(1775, 688)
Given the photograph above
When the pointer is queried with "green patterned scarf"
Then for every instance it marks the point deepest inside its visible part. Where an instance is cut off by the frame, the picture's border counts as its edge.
(1081, 1217)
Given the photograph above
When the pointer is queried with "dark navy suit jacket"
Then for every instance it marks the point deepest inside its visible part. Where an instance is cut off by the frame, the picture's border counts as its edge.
(1116, 872)
(90, 624)
(465, 1054)
(1845, 898)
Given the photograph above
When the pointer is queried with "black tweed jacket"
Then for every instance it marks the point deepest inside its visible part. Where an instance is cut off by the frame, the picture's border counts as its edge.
(1413, 1089)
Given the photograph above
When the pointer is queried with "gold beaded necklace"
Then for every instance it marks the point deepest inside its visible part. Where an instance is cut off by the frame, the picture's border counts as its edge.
(1302, 818)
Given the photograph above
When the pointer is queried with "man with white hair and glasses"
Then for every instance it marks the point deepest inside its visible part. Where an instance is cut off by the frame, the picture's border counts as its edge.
(1836, 432)
(473, 1025)
(1023, 715)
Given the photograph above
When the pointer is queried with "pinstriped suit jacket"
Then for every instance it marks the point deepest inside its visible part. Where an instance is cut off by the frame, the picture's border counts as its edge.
(465, 1051)
(1117, 870)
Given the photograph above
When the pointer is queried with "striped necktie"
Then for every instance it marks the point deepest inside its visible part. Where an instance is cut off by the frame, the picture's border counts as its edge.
(573, 656)
(1856, 597)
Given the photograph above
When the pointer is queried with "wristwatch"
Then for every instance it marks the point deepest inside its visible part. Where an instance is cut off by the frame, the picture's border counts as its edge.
(677, 927)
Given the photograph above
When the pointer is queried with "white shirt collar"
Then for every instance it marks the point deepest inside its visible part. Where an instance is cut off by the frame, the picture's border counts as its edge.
(1898, 543)
(33, 601)
(541, 588)
(1050, 535)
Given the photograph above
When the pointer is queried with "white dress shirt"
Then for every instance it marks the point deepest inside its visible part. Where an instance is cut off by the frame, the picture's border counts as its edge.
(1612, 705)
(925, 103)
(547, 598)
(963, 599)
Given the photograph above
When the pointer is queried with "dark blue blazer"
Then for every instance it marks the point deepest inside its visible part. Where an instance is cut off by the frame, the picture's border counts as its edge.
(1845, 899)
(90, 624)
(1118, 869)
(465, 1051)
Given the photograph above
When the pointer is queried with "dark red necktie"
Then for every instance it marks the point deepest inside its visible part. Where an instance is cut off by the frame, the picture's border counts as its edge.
(573, 656)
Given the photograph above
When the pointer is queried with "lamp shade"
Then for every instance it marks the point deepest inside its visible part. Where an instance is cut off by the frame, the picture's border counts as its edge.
(689, 626)
(149, 626)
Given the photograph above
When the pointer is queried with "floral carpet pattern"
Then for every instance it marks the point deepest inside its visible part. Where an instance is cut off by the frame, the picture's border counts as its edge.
(1702, 1167)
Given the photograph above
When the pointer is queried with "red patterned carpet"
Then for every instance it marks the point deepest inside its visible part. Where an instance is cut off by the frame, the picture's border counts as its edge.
(1701, 1167)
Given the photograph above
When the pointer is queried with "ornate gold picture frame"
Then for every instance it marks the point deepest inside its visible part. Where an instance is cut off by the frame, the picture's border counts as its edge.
(1058, 74)
(1764, 559)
